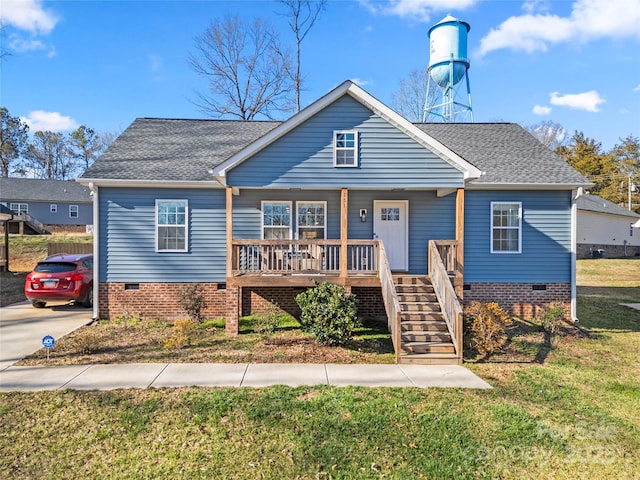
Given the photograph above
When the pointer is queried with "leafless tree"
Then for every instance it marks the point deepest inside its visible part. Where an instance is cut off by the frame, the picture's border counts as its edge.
(48, 157)
(86, 145)
(409, 100)
(302, 16)
(552, 134)
(247, 70)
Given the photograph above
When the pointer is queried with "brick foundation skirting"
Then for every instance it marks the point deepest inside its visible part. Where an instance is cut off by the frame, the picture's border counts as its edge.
(523, 300)
(160, 301)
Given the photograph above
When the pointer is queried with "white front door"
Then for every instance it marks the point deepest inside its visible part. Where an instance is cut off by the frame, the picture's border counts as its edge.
(391, 225)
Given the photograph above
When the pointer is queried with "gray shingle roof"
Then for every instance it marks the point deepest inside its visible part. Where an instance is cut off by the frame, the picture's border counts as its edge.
(174, 150)
(506, 152)
(593, 203)
(185, 150)
(36, 190)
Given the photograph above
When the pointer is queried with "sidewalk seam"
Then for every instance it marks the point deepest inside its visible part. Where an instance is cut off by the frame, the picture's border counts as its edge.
(166, 365)
(73, 378)
(244, 374)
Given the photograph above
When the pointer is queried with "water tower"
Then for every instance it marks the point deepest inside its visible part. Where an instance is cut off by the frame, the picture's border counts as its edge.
(448, 65)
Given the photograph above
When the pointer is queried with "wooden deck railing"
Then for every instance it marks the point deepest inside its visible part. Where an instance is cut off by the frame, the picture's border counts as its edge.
(284, 257)
(390, 298)
(439, 273)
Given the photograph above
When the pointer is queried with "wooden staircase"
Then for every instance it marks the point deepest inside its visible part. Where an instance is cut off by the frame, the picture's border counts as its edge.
(425, 337)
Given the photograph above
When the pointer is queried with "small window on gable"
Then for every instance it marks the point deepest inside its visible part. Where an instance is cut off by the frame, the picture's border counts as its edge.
(345, 149)
(171, 225)
(53, 208)
(506, 227)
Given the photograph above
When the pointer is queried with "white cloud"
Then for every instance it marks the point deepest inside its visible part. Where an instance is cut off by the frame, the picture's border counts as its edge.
(637, 89)
(360, 82)
(589, 20)
(588, 101)
(39, 120)
(541, 110)
(27, 15)
(417, 9)
(21, 45)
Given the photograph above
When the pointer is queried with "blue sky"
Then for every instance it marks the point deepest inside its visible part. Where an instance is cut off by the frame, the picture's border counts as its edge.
(105, 63)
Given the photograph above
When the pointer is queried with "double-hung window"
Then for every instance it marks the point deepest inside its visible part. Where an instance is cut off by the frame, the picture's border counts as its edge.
(19, 207)
(53, 208)
(171, 225)
(276, 220)
(506, 227)
(73, 211)
(345, 148)
(311, 222)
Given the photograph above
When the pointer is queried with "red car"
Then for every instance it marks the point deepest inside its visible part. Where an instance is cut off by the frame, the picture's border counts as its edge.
(61, 277)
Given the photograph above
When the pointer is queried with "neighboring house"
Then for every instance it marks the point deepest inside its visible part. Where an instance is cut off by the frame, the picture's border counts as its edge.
(606, 229)
(345, 190)
(40, 205)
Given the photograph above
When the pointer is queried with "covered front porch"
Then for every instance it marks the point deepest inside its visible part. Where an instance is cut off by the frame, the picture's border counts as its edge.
(351, 263)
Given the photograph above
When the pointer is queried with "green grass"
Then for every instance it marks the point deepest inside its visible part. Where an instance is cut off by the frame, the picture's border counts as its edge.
(573, 416)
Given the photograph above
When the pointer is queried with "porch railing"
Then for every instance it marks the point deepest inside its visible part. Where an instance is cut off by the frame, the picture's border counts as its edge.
(439, 273)
(284, 257)
(391, 303)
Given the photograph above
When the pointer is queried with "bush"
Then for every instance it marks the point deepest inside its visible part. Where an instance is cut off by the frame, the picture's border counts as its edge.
(192, 301)
(328, 313)
(266, 324)
(485, 326)
(180, 334)
(550, 318)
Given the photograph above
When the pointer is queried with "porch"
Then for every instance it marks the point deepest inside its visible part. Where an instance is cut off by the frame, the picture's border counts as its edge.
(426, 327)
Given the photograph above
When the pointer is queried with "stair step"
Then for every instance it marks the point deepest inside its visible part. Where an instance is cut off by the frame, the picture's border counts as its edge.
(423, 326)
(411, 280)
(406, 289)
(427, 347)
(427, 337)
(432, 307)
(429, 358)
(417, 297)
(421, 316)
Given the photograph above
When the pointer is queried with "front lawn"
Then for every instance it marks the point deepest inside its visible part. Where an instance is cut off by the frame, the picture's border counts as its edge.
(132, 340)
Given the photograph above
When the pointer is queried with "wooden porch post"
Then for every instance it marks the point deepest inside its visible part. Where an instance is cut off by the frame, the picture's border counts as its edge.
(344, 232)
(233, 294)
(460, 239)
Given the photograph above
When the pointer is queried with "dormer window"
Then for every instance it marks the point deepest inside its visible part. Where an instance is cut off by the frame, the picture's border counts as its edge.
(345, 149)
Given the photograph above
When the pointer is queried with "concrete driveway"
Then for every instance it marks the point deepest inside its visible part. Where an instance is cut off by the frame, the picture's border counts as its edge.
(22, 327)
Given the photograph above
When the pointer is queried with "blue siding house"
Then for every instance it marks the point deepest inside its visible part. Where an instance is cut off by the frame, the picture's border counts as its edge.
(414, 219)
(41, 205)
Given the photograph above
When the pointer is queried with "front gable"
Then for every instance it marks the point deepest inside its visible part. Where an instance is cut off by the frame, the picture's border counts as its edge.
(386, 156)
(392, 152)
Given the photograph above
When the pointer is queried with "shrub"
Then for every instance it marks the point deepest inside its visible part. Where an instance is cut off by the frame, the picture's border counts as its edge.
(550, 318)
(266, 324)
(87, 341)
(485, 327)
(180, 334)
(328, 313)
(192, 301)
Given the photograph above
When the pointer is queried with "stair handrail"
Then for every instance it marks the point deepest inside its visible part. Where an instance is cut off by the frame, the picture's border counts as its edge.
(446, 294)
(390, 298)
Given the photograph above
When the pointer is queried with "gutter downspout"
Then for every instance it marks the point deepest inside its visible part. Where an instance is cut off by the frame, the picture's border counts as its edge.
(574, 249)
(96, 250)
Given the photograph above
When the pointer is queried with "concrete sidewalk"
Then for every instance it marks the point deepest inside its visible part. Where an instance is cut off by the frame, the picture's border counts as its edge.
(158, 375)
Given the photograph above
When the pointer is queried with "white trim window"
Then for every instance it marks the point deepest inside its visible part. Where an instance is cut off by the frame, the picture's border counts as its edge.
(312, 220)
(171, 225)
(73, 211)
(53, 208)
(276, 220)
(20, 208)
(506, 227)
(345, 148)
